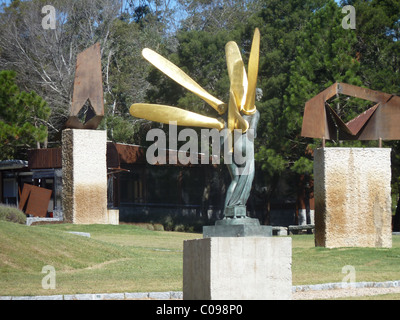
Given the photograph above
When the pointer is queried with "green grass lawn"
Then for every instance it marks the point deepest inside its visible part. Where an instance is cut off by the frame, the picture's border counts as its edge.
(128, 258)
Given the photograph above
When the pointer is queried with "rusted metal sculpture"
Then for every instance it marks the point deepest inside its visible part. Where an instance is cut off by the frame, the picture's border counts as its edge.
(35, 200)
(88, 86)
(381, 122)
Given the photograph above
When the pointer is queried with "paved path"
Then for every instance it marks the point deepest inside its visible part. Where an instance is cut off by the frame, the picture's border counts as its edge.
(301, 292)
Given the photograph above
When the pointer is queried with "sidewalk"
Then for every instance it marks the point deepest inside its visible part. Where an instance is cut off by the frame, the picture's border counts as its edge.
(178, 295)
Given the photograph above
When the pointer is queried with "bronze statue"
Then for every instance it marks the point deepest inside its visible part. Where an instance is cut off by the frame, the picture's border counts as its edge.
(240, 114)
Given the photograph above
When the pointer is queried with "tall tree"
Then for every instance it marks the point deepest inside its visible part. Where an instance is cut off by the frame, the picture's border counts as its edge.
(282, 26)
(378, 46)
(378, 50)
(216, 15)
(45, 58)
(326, 56)
(126, 72)
(23, 118)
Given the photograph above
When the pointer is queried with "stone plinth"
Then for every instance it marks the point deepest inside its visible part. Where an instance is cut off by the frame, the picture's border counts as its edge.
(113, 216)
(352, 197)
(237, 227)
(237, 268)
(84, 194)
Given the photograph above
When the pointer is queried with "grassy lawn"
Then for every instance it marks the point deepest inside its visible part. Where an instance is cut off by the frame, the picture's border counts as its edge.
(128, 258)
(311, 265)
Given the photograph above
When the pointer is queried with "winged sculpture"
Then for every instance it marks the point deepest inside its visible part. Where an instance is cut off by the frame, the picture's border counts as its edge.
(239, 114)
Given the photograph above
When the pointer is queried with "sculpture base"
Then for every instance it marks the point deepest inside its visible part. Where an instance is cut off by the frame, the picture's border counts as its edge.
(237, 227)
(235, 211)
(84, 169)
(353, 197)
(242, 268)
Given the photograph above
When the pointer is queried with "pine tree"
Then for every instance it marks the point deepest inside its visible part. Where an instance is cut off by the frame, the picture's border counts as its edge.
(282, 26)
(378, 50)
(326, 56)
(23, 118)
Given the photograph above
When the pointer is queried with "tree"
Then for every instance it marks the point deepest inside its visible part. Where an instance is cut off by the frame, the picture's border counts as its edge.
(45, 58)
(378, 50)
(366, 56)
(23, 117)
(378, 46)
(326, 56)
(282, 25)
(211, 16)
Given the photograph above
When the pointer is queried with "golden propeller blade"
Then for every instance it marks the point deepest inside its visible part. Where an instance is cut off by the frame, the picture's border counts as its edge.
(237, 73)
(235, 120)
(167, 114)
(176, 74)
(249, 107)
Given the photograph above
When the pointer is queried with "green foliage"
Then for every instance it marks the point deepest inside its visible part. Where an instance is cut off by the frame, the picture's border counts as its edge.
(378, 46)
(303, 166)
(12, 214)
(378, 51)
(271, 162)
(121, 129)
(23, 117)
(325, 57)
(127, 72)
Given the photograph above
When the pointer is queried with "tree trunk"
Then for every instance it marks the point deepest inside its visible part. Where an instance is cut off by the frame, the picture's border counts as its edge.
(396, 218)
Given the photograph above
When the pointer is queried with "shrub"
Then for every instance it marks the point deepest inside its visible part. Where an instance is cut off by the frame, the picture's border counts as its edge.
(158, 227)
(12, 214)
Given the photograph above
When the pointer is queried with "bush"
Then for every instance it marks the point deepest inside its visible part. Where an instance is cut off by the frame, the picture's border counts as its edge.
(12, 214)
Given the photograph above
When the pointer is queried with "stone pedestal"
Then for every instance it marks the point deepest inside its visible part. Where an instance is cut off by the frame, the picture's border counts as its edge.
(352, 197)
(84, 193)
(237, 227)
(237, 268)
(113, 216)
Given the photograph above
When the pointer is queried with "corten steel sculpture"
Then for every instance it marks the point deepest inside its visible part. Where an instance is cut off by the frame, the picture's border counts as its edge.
(88, 86)
(352, 185)
(84, 163)
(381, 122)
(240, 113)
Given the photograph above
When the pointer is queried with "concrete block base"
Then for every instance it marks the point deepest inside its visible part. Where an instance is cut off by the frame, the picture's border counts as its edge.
(113, 216)
(237, 268)
(84, 194)
(352, 197)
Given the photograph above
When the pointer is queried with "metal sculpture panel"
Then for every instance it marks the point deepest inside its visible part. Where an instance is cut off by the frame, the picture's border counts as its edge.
(88, 86)
(380, 122)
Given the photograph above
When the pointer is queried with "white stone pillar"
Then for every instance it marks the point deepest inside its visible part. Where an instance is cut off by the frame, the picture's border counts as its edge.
(84, 193)
(237, 268)
(352, 197)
